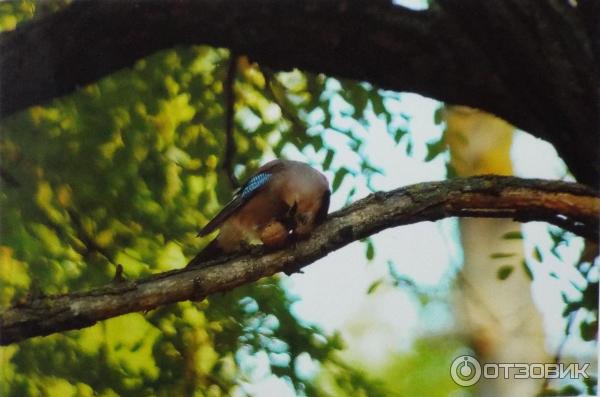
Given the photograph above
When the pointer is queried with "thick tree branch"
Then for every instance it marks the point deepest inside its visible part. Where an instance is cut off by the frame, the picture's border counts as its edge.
(531, 62)
(570, 205)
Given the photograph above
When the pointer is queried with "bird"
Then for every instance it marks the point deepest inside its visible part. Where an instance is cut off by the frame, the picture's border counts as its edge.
(284, 200)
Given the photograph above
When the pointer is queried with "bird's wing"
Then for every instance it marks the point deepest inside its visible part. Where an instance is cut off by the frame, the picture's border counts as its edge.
(241, 196)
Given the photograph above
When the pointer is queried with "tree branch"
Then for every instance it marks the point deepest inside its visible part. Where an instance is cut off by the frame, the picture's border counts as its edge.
(502, 56)
(571, 205)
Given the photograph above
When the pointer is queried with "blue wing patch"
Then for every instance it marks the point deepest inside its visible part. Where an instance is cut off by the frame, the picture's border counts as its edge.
(254, 183)
(246, 192)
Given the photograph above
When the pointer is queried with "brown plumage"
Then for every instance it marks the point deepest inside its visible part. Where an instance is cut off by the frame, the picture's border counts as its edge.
(282, 198)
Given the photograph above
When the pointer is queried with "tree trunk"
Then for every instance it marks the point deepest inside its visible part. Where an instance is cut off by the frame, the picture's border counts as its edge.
(498, 316)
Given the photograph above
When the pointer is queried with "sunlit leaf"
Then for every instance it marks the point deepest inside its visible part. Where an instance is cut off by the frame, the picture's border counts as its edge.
(374, 285)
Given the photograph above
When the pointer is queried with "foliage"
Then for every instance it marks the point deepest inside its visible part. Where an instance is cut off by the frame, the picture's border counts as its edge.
(15, 12)
(424, 369)
(123, 172)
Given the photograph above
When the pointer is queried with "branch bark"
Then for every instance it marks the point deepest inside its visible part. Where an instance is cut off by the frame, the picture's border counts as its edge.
(530, 62)
(568, 205)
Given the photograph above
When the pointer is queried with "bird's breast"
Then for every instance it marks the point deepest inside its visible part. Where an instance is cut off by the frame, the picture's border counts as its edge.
(260, 211)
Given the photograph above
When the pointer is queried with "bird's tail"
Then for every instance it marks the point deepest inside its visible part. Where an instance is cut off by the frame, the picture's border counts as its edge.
(211, 251)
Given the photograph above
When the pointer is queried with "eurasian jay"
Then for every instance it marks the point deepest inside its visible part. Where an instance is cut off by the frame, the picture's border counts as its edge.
(282, 200)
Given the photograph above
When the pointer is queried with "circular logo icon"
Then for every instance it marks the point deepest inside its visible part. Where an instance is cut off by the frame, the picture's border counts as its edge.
(465, 371)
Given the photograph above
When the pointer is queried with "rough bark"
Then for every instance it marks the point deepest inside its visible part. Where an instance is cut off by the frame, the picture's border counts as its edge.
(530, 62)
(569, 205)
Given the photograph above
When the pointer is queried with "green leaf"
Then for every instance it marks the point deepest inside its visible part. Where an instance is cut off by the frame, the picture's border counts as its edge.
(438, 115)
(370, 250)
(399, 134)
(516, 235)
(350, 195)
(435, 149)
(589, 330)
(568, 390)
(378, 106)
(358, 99)
(374, 285)
(409, 148)
(339, 178)
(499, 255)
(504, 272)
(337, 341)
(589, 300)
(328, 159)
(537, 255)
(557, 235)
(527, 269)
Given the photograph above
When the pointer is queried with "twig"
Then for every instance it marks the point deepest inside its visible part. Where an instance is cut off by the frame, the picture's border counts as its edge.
(558, 355)
(87, 240)
(119, 278)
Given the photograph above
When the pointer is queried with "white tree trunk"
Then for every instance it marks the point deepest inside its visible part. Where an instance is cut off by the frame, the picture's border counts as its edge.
(498, 316)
